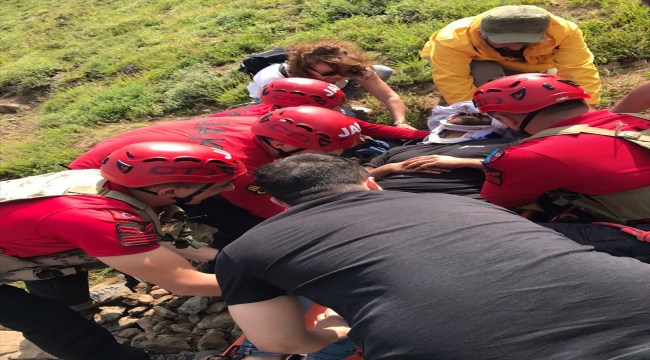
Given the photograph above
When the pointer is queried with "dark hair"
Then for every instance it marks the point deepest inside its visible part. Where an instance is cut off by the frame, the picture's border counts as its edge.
(344, 57)
(301, 178)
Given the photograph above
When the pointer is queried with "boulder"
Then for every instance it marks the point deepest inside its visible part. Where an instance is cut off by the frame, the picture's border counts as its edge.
(194, 305)
(164, 344)
(212, 340)
(220, 321)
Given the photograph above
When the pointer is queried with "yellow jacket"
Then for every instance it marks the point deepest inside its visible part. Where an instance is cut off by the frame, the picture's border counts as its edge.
(452, 48)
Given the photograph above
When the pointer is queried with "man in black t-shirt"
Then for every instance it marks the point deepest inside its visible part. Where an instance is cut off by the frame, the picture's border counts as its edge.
(449, 278)
(466, 179)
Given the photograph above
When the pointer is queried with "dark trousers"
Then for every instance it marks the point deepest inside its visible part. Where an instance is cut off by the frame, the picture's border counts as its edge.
(605, 239)
(59, 330)
(231, 221)
(69, 290)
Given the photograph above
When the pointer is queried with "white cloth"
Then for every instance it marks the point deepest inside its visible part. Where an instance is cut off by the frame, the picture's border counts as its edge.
(271, 73)
(437, 123)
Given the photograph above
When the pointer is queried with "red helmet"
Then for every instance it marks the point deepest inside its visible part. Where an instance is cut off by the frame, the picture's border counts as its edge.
(151, 163)
(309, 127)
(301, 91)
(525, 93)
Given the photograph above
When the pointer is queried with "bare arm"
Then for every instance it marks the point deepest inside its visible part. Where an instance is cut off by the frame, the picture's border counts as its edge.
(388, 169)
(637, 100)
(201, 254)
(379, 89)
(441, 161)
(167, 270)
(278, 325)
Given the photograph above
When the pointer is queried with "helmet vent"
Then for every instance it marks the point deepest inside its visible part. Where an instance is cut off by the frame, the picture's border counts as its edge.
(219, 162)
(306, 127)
(569, 82)
(297, 93)
(288, 121)
(492, 90)
(548, 86)
(128, 154)
(187, 158)
(154, 159)
(325, 136)
(516, 83)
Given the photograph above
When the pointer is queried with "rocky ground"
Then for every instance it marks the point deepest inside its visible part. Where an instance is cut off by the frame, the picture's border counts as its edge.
(152, 320)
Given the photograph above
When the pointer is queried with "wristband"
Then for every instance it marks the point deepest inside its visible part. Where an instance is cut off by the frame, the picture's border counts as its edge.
(401, 122)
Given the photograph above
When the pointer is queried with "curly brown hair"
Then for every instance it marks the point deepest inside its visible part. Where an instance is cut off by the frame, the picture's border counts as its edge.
(344, 57)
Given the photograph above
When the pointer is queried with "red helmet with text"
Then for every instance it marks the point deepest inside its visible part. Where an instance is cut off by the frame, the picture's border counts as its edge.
(309, 127)
(152, 163)
(302, 91)
(525, 93)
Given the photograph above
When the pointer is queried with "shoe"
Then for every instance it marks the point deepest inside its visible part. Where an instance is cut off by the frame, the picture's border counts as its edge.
(207, 267)
(102, 296)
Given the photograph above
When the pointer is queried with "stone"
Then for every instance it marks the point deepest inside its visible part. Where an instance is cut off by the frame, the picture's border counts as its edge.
(155, 287)
(212, 340)
(194, 319)
(150, 312)
(158, 293)
(216, 307)
(162, 300)
(127, 322)
(640, 63)
(194, 305)
(127, 333)
(611, 66)
(162, 327)
(180, 319)
(122, 341)
(176, 302)
(109, 313)
(146, 323)
(137, 310)
(236, 332)
(164, 344)
(145, 299)
(9, 108)
(164, 312)
(112, 326)
(198, 331)
(138, 338)
(182, 328)
(216, 321)
(130, 302)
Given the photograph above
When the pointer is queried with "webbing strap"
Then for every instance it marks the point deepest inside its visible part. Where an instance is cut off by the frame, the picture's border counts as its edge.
(145, 210)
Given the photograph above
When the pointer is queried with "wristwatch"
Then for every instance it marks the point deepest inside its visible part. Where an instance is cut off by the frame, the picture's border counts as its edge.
(401, 122)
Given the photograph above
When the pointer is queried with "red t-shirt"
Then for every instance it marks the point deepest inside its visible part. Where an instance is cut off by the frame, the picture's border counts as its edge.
(373, 130)
(101, 226)
(584, 163)
(231, 134)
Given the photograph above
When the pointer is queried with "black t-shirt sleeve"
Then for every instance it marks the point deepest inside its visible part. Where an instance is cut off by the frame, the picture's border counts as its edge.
(380, 160)
(239, 287)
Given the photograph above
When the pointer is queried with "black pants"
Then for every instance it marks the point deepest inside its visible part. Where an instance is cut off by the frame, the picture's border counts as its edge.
(68, 290)
(231, 221)
(59, 330)
(605, 239)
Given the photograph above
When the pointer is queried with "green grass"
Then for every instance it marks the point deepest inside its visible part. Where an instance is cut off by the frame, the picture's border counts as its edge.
(121, 62)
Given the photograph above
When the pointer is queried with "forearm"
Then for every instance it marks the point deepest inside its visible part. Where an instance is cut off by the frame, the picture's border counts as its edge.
(381, 171)
(191, 282)
(637, 100)
(396, 108)
(201, 254)
(470, 163)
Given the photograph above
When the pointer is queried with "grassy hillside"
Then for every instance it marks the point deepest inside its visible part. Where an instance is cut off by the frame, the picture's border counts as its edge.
(103, 66)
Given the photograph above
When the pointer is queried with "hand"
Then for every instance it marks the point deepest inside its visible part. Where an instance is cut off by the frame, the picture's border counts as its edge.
(434, 161)
(399, 168)
(405, 126)
(330, 320)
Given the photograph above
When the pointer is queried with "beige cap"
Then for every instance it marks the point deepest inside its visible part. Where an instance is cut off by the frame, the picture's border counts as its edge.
(515, 24)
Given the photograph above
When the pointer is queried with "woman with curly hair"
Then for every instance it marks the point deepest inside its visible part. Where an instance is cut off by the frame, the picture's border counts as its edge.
(337, 62)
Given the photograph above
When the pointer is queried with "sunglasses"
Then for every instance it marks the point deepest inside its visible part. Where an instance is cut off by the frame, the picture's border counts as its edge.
(327, 73)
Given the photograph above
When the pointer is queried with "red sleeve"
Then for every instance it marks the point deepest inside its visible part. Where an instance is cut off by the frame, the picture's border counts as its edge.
(518, 177)
(112, 232)
(247, 195)
(390, 132)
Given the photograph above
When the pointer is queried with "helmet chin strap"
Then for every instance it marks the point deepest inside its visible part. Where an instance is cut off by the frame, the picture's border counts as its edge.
(281, 152)
(527, 121)
(180, 200)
